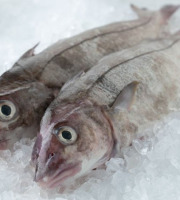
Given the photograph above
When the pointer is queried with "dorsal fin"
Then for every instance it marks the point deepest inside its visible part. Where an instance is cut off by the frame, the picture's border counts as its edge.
(29, 53)
(141, 12)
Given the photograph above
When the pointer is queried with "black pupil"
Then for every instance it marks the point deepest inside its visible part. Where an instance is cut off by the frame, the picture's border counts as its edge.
(6, 110)
(66, 135)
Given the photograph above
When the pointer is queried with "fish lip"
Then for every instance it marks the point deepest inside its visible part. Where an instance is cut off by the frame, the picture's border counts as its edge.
(3, 143)
(57, 179)
(3, 140)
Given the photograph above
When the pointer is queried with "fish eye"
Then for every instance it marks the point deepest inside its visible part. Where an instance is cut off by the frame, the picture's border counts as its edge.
(65, 134)
(7, 110)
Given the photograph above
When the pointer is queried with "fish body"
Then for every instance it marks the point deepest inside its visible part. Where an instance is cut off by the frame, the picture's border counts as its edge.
(104, 109)
(32, 83)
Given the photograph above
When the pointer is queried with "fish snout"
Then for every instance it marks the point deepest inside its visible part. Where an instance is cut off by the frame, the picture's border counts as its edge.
(53, 160)
(52, 177)
(42, 170)
(41, 177)
(37, 175)
(36, 149)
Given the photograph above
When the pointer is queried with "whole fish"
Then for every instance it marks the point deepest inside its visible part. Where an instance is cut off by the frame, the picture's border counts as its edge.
(32, 83)
(101, 111)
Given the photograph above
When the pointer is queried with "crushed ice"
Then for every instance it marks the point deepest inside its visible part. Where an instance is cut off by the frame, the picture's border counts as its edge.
(150, 169)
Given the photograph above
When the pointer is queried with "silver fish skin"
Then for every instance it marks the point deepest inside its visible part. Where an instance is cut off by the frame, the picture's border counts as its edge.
(104, 109)
(32, 83)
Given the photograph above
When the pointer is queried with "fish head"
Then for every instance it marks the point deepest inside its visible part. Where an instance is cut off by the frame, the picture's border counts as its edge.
(73, 139)
(21, 108)
(23, 100)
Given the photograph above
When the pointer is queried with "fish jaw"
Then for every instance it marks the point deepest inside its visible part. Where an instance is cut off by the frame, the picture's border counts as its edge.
(59, 177)
(67, 170)
(3, 144)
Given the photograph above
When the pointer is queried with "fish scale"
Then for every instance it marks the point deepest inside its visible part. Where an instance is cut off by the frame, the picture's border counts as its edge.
(47, 71)
(91, 46)
(107, 107)
(106, 67)
(111, 80)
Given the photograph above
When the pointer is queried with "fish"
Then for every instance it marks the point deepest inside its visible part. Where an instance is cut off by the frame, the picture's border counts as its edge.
(102, 111)
(34, 80)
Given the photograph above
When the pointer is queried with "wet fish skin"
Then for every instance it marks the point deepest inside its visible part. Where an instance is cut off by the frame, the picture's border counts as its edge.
(47, 71)
(80, 53)
(147, 71)
(30, 105)
(93, 143)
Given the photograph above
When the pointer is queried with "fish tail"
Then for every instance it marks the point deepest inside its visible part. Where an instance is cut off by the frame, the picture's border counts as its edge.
(163, 16)
(167, 11)
(177, 33)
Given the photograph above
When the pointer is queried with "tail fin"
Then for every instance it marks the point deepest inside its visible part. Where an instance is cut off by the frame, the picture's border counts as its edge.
(177, 33)
(166, 11)
(158, 18)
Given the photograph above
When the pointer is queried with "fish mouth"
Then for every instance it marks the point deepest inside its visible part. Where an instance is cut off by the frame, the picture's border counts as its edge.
(58, 178)
(3, 143)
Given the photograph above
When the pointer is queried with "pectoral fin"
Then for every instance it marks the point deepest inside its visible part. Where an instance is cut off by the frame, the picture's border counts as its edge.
(126, 97)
